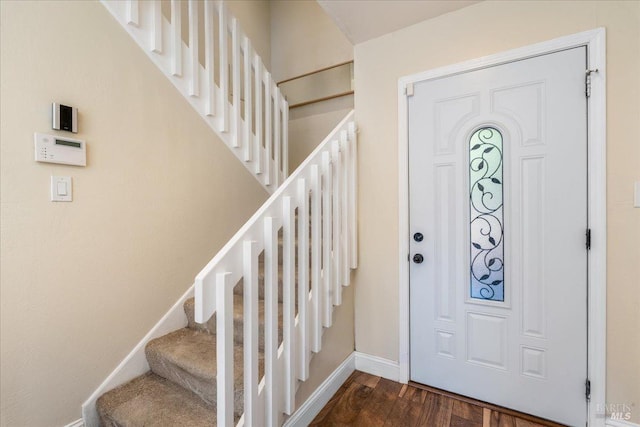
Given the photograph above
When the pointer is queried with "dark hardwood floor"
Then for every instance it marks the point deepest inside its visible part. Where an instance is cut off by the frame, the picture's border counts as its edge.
(370, 401)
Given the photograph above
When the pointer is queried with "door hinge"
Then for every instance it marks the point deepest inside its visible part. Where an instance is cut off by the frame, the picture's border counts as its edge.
(587, 85)
(587, 389)
(587, 81)
(408, 89)
(588, 235)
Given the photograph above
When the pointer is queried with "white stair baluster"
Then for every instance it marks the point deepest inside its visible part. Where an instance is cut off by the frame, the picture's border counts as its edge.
(133, 11)
(224, 342)
(176, 37)
(156, 27)
(236, 77)
(209, 55)
(316, 257)
(327, 222)
(271, 320)
(248, 100)
(194, 87)
(353, 195)
(277, 143)
(223, 31)
(259, 112)
(303, 280)
(250, 341)
(285, 139)
(288, 315)
(335, 205)
(344, 213)
(268, 105)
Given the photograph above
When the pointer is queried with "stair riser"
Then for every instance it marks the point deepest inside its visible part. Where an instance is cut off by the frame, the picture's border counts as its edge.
(205, 389)
(239, 290)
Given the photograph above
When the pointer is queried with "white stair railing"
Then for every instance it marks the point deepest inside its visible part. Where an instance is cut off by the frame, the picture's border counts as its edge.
(318, 203)
(227, 84)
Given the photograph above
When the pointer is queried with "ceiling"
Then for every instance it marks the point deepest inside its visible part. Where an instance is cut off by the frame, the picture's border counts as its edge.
(361, 20)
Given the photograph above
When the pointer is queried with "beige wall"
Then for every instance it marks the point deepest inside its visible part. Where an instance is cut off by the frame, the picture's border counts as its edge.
(309, 125)
(82, 282)
(486, 28)
(304, 39)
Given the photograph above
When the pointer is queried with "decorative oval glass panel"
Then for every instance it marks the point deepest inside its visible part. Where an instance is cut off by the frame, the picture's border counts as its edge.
(486, 214)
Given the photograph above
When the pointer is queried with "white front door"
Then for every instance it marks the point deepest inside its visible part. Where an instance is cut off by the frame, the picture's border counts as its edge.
(498, 215)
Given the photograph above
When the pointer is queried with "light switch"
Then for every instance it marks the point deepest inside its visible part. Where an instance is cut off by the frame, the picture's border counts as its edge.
(636, 199)
(61, 190)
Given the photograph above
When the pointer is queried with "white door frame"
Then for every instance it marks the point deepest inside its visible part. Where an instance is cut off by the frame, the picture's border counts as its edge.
(594, 41)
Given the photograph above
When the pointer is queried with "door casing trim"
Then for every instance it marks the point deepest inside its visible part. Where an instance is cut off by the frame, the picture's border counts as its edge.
(595, 42)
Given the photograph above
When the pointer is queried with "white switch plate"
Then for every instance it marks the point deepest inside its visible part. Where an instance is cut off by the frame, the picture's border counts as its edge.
(61, 190)
(636, 199)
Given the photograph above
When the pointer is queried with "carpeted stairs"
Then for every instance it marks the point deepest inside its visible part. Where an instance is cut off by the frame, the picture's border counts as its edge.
(180, 388)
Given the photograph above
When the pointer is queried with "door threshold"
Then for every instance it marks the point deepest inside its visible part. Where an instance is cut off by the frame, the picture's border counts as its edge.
(487, 406)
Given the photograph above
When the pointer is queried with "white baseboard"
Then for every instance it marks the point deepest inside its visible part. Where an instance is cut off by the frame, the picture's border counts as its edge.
(620, 423)
(321, 396)
(377, 366)
(76, 423)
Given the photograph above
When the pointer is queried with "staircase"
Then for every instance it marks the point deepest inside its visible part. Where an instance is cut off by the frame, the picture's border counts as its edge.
(224, 80)
(235, 347)
(256, 313)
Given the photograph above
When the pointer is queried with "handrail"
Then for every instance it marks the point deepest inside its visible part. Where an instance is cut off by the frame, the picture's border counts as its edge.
(324, 98)
(262, 147)
(323, 191)
(307, 94)
(310, 73)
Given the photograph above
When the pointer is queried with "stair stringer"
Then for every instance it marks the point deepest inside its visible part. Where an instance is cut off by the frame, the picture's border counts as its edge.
(269, 176)
(135, 363)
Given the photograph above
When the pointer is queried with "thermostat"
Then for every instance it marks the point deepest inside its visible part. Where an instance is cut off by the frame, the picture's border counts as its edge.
(55, 149)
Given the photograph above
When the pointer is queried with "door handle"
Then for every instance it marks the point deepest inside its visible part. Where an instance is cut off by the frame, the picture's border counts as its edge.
(418, 258)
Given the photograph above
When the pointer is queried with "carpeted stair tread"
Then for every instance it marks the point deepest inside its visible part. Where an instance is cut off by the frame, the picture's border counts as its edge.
(239, 290)
(152, 401)
(210, 325)
(238, 321)
(188, 358)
